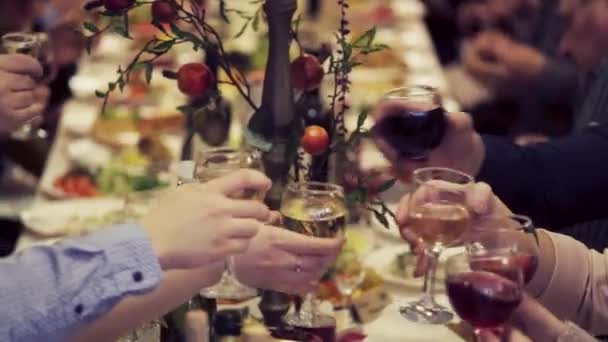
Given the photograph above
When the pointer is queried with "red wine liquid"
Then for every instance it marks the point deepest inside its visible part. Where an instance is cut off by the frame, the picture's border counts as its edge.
(483, 299)
(411, 133)
(326, 334)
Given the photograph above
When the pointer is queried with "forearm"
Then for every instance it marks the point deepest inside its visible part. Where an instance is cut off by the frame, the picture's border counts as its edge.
(558, 183)
(570, 282)
(175, 288)
(48, 292)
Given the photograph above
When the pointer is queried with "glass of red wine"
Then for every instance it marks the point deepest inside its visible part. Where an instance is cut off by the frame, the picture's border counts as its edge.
(410, 122)
(513, 234)
(439, 218)
(485, 299)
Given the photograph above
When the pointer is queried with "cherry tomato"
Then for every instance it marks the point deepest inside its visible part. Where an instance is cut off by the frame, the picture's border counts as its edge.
(315, 140)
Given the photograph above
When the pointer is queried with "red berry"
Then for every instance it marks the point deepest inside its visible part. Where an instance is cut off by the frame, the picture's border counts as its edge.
(306, 72)
(164, 11)
(194, 79)
(315, 140)
(117, 5)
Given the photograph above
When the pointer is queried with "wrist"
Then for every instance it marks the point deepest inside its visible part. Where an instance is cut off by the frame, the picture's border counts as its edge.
(159, 247)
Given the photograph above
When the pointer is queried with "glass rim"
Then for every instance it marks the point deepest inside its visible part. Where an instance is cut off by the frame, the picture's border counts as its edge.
(329, 187)
(423, 87)
(469, 179)
(525, 223)
(225, 150)
(27, 37)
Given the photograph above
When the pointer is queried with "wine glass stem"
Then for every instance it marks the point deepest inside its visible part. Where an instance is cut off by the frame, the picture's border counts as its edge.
(230, 268)
(481, 333)
(429, 278)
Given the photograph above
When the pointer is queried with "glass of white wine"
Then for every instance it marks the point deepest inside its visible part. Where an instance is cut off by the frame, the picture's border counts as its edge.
(36, 45)
(438, 216)
(319, 210)
(212, 164)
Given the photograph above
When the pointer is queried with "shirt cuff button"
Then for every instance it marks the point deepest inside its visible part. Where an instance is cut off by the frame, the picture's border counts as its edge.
(137, 277)
(78, 309)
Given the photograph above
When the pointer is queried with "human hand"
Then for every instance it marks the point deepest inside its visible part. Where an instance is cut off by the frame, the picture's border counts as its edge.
(199, 224)
(461, 149)
(537, 322)
(21, 98)
(500, 63)
(281, 260)
(510, 335)
(479, 200)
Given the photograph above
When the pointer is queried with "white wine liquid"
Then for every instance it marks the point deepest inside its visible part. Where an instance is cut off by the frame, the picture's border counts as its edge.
(439, 223)
(324, 218)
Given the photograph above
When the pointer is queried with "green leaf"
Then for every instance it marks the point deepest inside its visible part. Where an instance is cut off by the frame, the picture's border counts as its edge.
(387, 185)
(176, 31)
(90, 27)
(255, 23)
(366, 39)
(100, 94)
(149, 68)
(89, 44)
(111, 86)
(243, 28)
(381, 218)
(162, 47)
(362, 117)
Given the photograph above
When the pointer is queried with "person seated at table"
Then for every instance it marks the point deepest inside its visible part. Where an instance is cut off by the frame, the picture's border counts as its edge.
(570, 280)
(559, 183)
(128, 274)
(514, 56)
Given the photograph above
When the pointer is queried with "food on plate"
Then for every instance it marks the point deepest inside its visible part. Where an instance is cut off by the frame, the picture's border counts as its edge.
(130, 171)
(382, 59)
(77, 183)
(404, 264)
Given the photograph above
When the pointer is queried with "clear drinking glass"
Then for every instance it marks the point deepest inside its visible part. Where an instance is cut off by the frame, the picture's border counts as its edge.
(439, 217)
(485, 298)
(38, 46)
(319, 210)
(218, 162)
(410, 122)
(509, 234)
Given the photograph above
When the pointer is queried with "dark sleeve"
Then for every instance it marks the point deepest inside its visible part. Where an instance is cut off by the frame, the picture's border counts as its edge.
(559, 79)
(558, 184)
(594, 234)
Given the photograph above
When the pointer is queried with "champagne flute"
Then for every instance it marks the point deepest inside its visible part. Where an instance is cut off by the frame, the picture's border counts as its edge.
(210, 165)
(38, 46)
(485, 299)
(319, 210)
(508, 234)
(438, 216)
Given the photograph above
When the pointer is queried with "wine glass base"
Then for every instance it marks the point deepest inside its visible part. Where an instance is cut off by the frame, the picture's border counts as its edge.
(420, 313)
(229, 288)
(309, 321)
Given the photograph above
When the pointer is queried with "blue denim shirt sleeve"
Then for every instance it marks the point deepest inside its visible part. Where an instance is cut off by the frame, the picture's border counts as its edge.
(48, 292)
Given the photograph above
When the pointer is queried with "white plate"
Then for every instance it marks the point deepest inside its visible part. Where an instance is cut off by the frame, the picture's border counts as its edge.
(52, 218)
(86, 152)
(382, 259)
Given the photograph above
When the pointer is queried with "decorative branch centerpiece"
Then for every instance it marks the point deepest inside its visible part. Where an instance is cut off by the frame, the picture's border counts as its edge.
(283, 131)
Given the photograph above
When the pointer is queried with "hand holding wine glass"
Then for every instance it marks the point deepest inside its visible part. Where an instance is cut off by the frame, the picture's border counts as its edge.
(413, 131)
(21, 98)
(295, 261)
(199, 224)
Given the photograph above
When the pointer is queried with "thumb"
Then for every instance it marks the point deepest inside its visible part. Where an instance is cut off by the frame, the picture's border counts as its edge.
(459, 121)
(240, 180)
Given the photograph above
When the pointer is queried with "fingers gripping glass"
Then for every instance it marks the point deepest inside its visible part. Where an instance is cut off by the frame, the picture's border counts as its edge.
(438, 217)
(319, 210)
(212, 164)
(37, 45)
